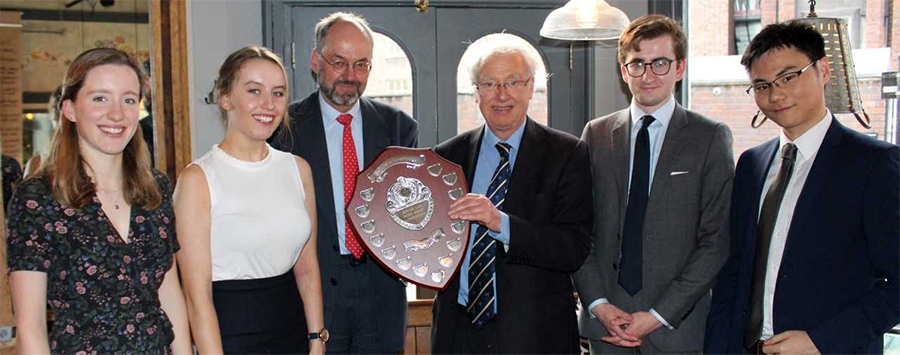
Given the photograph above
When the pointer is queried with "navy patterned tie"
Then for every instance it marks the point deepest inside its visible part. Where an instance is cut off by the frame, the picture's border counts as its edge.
(482, 275)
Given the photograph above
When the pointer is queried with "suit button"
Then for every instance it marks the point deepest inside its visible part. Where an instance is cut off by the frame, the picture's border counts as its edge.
(649, 236)
(615, 267)
(618, 237)
(335, 247)
(333, 282)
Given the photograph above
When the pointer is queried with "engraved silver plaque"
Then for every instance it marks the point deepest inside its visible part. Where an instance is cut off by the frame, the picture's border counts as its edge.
(437, 276)
(404, 263)
(446, 260)
(368, 226)
(409, 203)
(424, 243)
(458, 227)
(421, 270)
(454, 245)
(435, 170)
(389, 253)
(450, 179)
(455, 194)
(377, 240)
(367, 194)
(362, 211)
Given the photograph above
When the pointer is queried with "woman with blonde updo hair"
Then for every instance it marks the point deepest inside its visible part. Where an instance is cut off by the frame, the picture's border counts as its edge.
(92, 233)
(247, 223)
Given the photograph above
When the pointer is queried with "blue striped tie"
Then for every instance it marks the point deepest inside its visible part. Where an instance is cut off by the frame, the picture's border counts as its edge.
(482, 275)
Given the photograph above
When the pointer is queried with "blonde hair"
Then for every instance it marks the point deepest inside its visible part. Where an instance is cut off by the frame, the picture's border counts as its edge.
(231, 68)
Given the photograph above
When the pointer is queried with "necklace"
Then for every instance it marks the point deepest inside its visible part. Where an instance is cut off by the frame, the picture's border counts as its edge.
(118, 198)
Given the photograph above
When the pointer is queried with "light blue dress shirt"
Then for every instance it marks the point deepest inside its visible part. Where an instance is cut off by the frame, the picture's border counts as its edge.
(334, 138)
(488, 159)
(657, 134)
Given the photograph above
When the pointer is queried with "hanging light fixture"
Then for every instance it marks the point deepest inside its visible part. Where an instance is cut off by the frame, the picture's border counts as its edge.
(585, 20)
(842, 91)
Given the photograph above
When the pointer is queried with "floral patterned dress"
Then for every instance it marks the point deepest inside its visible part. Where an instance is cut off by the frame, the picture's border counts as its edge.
(103, 291)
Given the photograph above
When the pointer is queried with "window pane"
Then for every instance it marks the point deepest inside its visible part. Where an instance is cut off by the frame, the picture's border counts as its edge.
(390, 81)
(468, 114)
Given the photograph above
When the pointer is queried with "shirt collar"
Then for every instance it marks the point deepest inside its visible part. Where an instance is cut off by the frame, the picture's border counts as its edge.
(514, 140)
(662, 115)
(330, 114)
(809, 142)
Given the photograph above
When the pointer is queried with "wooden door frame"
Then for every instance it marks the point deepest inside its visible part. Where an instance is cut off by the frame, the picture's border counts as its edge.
(171, 86)
(171, 114)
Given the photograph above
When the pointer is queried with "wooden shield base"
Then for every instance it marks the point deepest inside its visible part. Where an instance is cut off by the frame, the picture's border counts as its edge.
(399, 210)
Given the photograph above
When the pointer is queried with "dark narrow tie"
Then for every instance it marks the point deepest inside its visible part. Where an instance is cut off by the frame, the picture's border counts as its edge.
(767, 218)
(631, 264)
(482, 274)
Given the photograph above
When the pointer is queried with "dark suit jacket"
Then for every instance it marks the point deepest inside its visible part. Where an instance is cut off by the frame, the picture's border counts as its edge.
(549, 208)
(383, 126)
(838, 279)
(686, 225)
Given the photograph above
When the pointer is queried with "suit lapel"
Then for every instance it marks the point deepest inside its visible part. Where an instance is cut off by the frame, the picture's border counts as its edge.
(815, 181)
(374, 137)
(471, 159)
(621, 146)
(528, 162)
(671, 148)
(309, 135)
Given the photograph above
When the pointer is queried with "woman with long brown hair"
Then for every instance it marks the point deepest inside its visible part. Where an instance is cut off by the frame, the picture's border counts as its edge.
(247, 217)
(92, 233)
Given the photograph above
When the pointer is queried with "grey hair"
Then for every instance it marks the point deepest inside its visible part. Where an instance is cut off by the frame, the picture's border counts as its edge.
(324, 26)
(502, 43)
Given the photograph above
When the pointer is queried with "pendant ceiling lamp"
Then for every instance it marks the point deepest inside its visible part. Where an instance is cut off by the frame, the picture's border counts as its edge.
(841, 92)
(585, 20)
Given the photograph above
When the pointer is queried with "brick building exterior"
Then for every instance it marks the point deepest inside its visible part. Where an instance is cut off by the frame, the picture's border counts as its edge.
(725, 100)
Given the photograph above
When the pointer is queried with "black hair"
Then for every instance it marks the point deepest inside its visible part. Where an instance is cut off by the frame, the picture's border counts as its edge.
(793, 34)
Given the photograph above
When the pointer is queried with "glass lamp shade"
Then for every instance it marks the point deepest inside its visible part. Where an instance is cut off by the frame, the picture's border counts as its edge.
(585, 20)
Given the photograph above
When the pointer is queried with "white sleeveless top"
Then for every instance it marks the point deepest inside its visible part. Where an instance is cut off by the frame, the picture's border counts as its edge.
(258, 218)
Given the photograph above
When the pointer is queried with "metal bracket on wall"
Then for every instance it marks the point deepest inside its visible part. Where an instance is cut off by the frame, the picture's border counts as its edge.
(7, 334)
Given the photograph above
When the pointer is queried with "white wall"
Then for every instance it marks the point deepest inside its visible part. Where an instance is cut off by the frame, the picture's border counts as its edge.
(609, 90)
(215, 29)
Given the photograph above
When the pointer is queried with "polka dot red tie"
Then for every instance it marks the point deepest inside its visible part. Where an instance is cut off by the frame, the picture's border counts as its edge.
(351, 168)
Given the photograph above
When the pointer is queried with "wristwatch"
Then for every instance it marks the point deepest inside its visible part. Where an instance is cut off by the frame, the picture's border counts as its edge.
(322, 335)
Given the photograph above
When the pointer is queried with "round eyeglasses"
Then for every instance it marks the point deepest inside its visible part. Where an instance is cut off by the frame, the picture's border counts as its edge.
(659, 66)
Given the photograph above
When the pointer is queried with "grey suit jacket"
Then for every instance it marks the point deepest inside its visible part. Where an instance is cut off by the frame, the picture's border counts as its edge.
(685, 229)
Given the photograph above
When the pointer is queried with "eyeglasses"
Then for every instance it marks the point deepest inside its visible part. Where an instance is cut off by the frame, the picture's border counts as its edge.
(659, 66)
(340, 65)
(785, 80)
(491, 88)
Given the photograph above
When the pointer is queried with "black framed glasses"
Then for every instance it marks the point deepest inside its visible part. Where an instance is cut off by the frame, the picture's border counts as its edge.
(659, 66)
(491, 88)
(341, 66)
(785, 80)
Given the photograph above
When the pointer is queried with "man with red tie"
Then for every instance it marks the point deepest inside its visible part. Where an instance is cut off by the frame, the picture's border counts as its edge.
(339, 133)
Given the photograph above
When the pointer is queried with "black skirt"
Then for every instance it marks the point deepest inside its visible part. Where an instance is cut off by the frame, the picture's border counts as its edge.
(261, 316)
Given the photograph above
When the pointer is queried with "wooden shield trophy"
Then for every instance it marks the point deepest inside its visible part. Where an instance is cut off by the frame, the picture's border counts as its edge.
(399, 211)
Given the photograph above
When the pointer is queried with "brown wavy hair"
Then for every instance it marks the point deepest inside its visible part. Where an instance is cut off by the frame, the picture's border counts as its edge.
(66, 169)
(649, 27)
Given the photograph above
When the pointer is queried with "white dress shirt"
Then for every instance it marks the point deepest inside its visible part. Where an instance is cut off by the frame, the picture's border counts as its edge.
(807, 148)
(334, 139)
